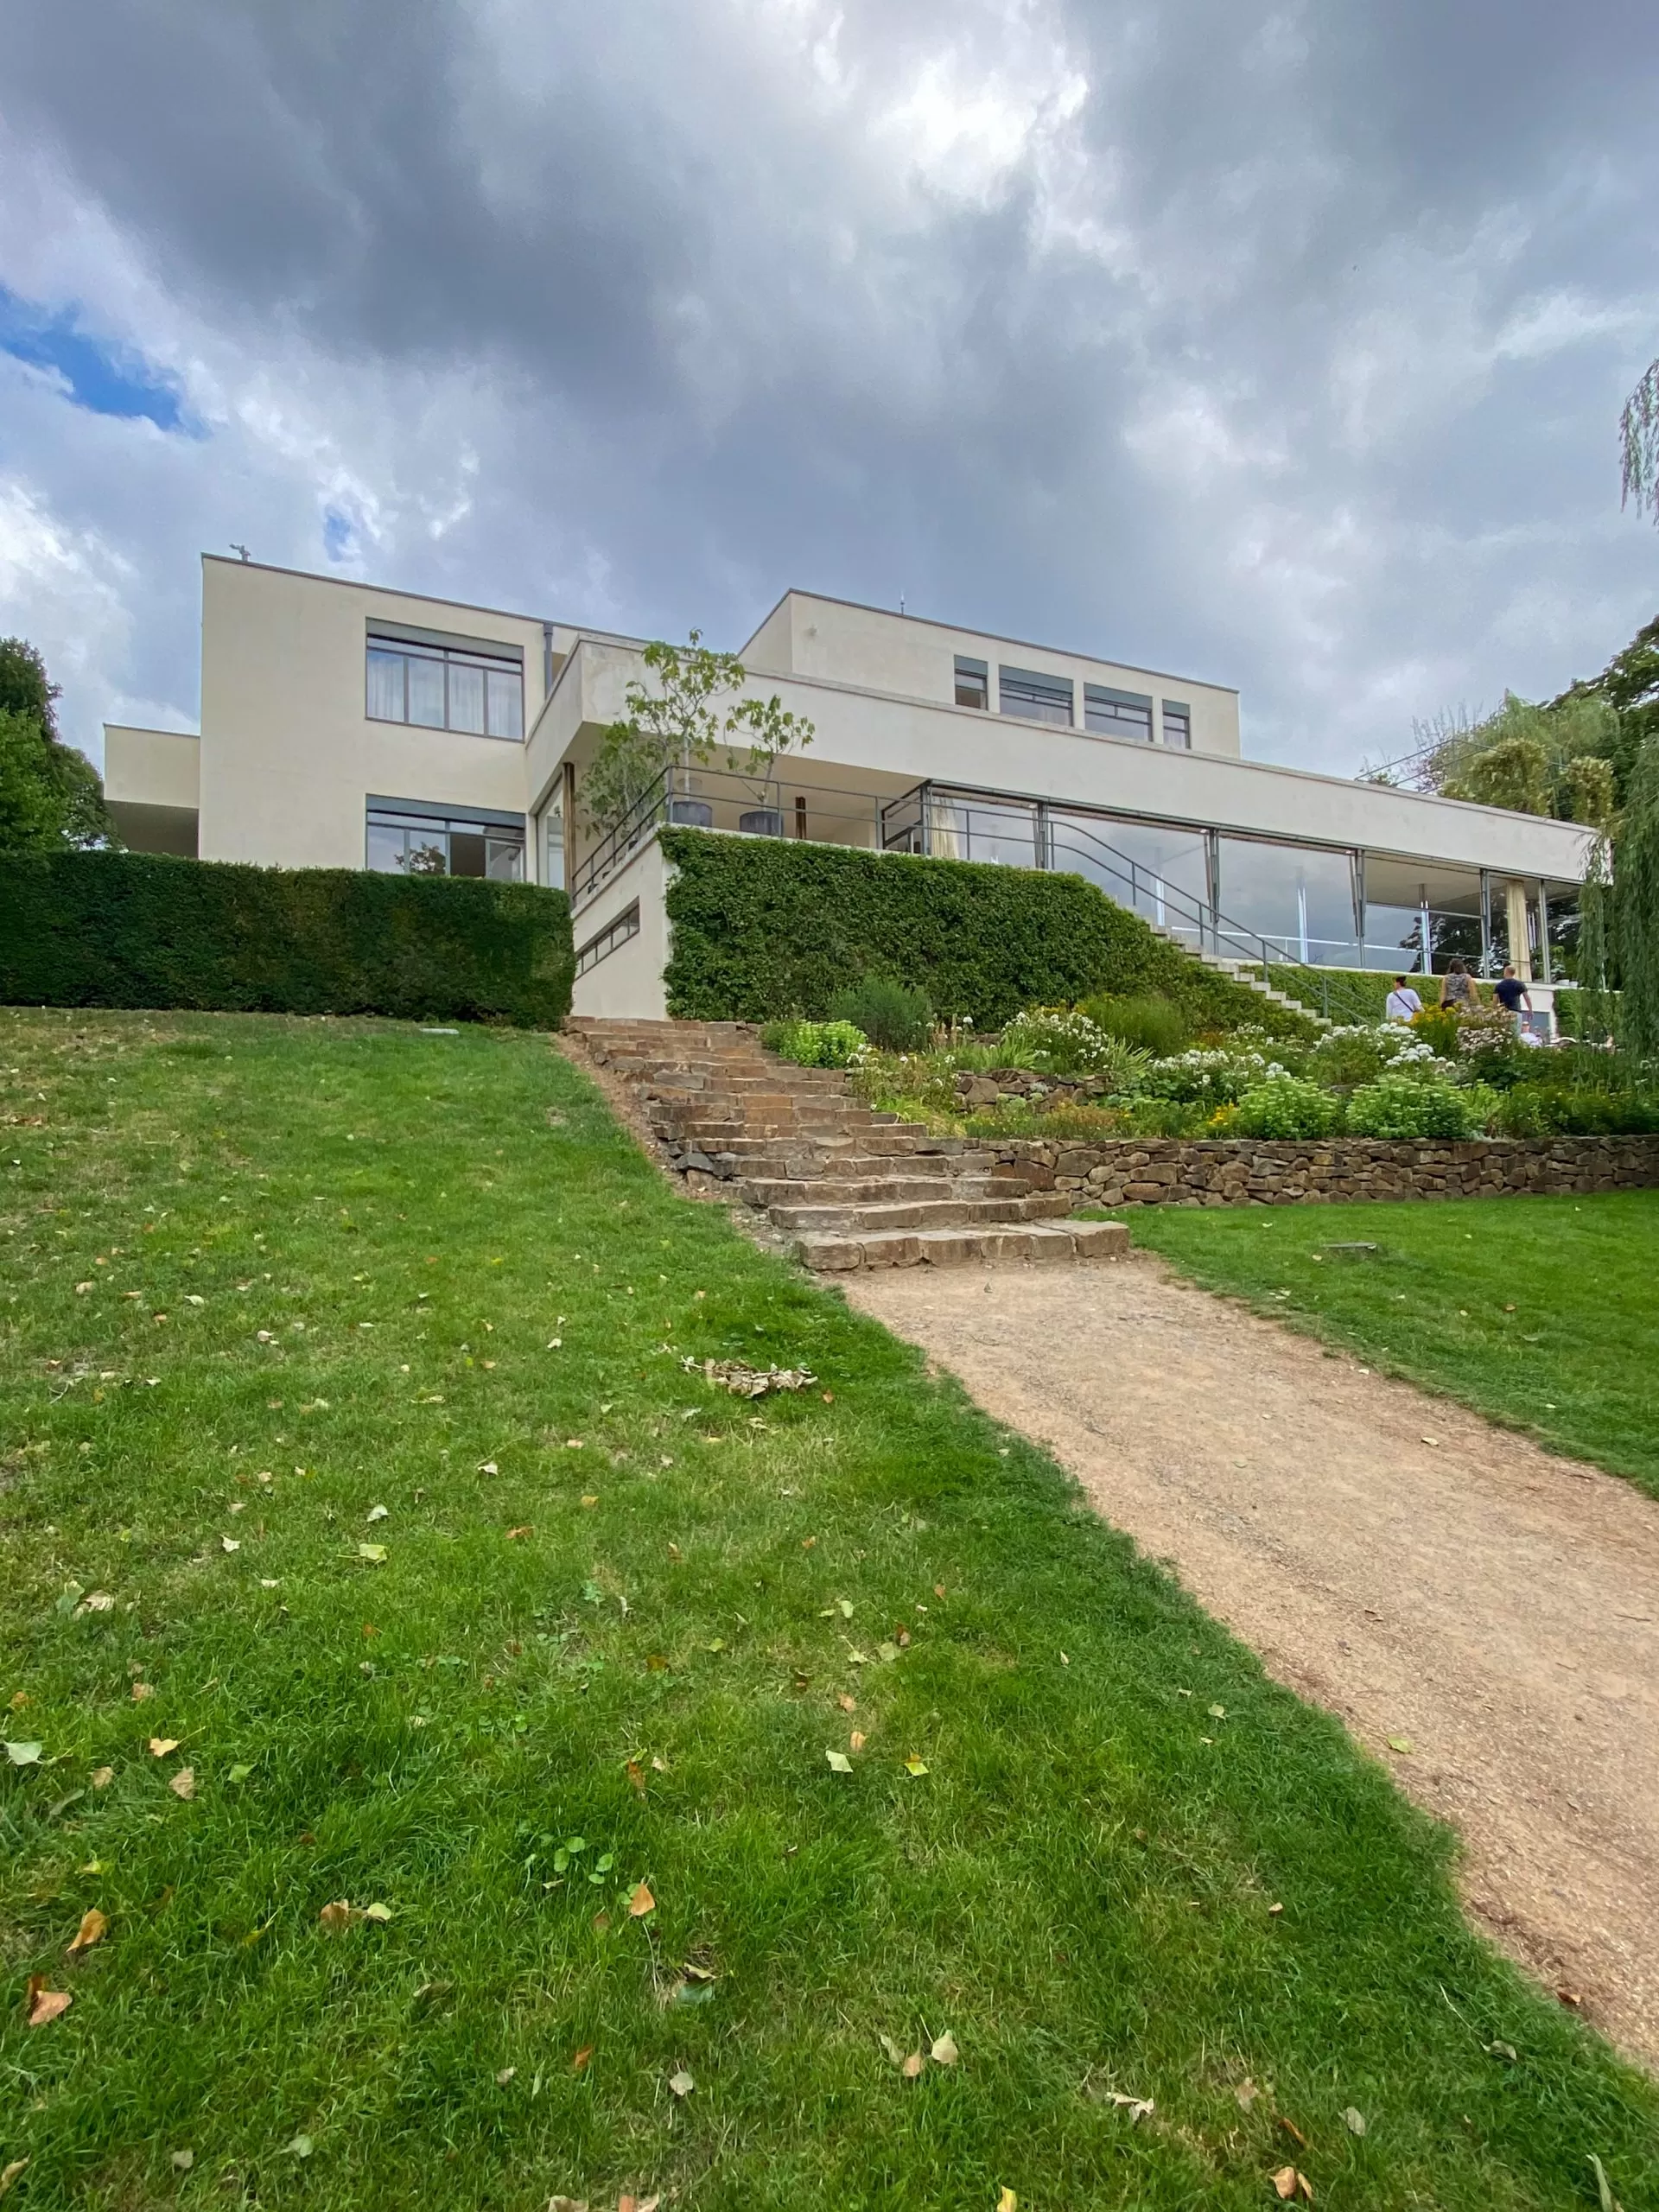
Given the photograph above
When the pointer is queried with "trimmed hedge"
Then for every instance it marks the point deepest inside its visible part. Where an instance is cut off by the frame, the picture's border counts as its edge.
(766, 928)
(140, 930)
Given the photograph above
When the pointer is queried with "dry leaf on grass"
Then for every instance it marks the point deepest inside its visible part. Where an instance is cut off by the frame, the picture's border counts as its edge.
(45, 2004)
(681, 2083)
(335, 1918)
(161, 1745)
(839, 1763)
(579, 2063)
(911, 2067)
(944, 2051)
(914, 1764)
(182, 2161)
(375, 1553)
(10, 2173)
(858, 1739)
(103, 1777)
(1354, 2120)
(567, 2204)
(183, 1783)
(626, 2203)
(94, 1926)
(1007, 2201)
(641, 1902)
(1289, 2182)
(23, 1754)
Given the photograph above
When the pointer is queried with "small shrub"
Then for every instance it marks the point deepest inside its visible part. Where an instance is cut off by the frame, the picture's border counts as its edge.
(1437, 1027)
(1285, 1106)
(1210, 1077)
(815, 1044)
(1360, 1053)
(1052, 1041)
(891, 1014)
(1400, 1107)
(1154, 1025)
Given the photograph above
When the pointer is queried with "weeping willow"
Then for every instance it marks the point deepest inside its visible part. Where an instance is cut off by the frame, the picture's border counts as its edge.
(1636, 901)
(1595, 996)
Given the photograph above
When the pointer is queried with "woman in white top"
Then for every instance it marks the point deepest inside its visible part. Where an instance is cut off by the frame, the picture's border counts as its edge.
(1401, 1001)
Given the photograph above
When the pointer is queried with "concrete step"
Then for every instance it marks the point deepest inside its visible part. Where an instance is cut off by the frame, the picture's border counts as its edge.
(918, 1213)
(1040, 1243)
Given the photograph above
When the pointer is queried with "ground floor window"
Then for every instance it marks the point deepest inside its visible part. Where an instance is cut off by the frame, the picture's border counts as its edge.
(405, 838)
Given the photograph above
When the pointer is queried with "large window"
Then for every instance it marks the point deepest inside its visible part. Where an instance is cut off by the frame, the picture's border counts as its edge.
(1161, 870)
(1300, 898)
(437, 686)
(405, 839)
(1116, 714)
(1036, 698)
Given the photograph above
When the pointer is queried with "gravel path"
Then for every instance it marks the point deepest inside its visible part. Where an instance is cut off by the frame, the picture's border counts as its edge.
(1397, 1559)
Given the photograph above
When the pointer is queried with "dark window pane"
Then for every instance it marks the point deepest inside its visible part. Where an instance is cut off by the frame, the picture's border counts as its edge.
(1036, 698)
(466, 852)
(1118, 718)
(385, 848)
(503, 859)
(427, 854)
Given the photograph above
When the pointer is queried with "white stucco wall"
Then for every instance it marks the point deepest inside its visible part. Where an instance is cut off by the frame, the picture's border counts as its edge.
(627, 982)
(881, 650)
(151, 767)
(289, 753)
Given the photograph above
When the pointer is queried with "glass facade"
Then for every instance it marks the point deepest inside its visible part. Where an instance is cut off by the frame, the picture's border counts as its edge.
(409, 843)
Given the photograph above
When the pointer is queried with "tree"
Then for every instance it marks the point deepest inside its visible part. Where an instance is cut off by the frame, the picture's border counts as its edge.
(1638, 445)
(50, 796)
(678, 726)
(1635, 907)
(1552, 759)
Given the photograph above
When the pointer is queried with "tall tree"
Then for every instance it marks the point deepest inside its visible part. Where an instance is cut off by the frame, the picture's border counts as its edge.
(50, 796)
(1638, 445)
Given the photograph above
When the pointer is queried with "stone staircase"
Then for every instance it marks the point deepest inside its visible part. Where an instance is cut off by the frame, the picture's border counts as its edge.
(1241, 972)
(847, 1187)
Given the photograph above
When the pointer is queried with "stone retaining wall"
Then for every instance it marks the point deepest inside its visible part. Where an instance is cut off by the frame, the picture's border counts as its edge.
(1244, 1171)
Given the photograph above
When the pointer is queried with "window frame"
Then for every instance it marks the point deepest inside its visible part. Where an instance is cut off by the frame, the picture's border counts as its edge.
(495, 663)
(970, 672)
(1126, 714)
(1036, 684)
(440, 821)
(1178, 712)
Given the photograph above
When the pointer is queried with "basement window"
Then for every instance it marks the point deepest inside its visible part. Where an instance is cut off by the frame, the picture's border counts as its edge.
(610, 939)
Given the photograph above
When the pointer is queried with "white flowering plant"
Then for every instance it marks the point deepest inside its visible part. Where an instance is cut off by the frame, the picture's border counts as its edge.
(1210, 1076)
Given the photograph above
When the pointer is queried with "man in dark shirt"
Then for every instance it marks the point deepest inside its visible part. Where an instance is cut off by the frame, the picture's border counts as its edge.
(1511, 994)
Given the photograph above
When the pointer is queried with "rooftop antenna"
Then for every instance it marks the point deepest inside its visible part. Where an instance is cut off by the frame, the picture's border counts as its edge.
(901, 602)
(241, 550)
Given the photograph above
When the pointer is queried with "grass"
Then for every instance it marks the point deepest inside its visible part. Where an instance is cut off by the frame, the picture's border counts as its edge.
(621, 1610)
(1540, 1313)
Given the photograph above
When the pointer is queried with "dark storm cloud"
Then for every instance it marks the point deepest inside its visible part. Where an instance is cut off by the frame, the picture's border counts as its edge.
(1280, 344)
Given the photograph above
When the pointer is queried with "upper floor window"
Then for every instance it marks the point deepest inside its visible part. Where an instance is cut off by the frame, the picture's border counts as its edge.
(406, 839)
(437, 686)
(1117, 713)
(1178, 726)
(973, 683)
(1038, 698)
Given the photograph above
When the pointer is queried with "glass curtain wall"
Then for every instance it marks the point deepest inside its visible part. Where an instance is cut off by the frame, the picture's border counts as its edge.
(1161, 870)
(1301, 900)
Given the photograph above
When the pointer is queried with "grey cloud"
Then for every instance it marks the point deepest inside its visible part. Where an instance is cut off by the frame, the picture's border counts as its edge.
(1208, 370)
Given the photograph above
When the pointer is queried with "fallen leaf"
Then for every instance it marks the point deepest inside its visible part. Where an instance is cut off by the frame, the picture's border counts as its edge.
(945, 2051)
(887, 1653)
(1293, 2131)
(300, 2146)
(1247, 2093)
(46, 2004)
(377, 1513)
(681, 2083)
(641, 1902)
(1218, 1712)
(102, 1776)
(590, 1500)
(513, 1534)
(379, 1912)
(626, 2203)
(182, 2161)
(915, 1765)
(239, 1772)
(1354, 2120)
(97, 1601)
(374, 1553)
(1403, 1745)
(1007, 2201)
(1284, 2183)
(578, 2064)
(839, 1763)
(602, 1922)
(183, 1783)
(1430, 1439)
(161, 1745)
(23, 1754)
(567, 2204)
(858, 1739)
(1136, 2107)
(912, 2066)
(94, 1925)
(636, 1775)
(1503, 2050)
(847, 1704)
(8, 2174)
(141, 1691)
(335, 1918)
(504, 2076)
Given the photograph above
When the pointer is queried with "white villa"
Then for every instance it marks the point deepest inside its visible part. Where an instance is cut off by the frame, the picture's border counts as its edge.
(347, 726)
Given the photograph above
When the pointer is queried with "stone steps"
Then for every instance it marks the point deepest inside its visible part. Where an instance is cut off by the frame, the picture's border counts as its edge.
(848, 1186)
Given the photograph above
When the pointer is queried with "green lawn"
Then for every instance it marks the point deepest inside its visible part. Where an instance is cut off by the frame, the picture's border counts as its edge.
(604, 1634)
(1542, 1313)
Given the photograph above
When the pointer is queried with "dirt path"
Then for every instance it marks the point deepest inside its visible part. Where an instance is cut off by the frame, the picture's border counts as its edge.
(1495, 1606)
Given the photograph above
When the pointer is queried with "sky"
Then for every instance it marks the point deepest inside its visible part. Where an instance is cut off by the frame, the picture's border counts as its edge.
(1280, 347)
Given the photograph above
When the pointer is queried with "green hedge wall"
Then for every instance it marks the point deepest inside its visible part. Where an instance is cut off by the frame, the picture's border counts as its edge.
(764, 927)
(137, 930)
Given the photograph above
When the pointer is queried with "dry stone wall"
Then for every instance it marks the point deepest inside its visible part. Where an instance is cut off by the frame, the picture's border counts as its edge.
(1243, 1172)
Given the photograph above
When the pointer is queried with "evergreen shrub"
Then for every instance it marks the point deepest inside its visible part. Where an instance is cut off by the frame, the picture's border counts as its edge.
(142, 929)
(766, 927)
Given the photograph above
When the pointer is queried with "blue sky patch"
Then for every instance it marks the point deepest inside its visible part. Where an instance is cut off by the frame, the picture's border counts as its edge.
(337, 535)
(103, 378)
